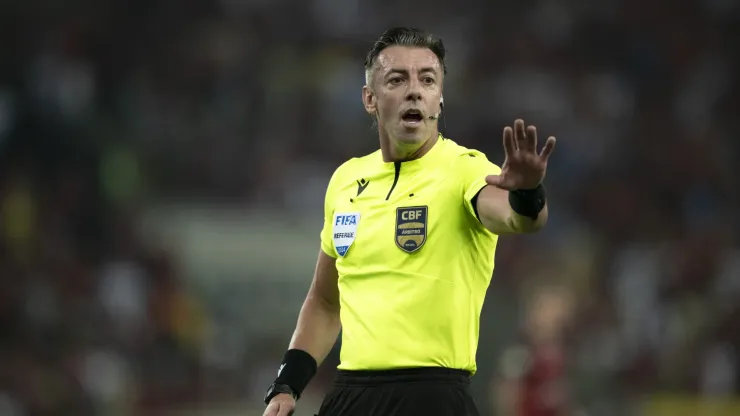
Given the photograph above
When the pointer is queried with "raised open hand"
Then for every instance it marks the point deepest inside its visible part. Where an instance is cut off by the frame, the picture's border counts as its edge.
(523, 167)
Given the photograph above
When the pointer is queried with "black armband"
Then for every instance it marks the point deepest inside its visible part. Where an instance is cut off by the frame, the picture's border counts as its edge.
(528, 202)
(297, 369)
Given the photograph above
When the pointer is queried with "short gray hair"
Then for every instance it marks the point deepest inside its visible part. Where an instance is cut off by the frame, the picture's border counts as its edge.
(404, 36)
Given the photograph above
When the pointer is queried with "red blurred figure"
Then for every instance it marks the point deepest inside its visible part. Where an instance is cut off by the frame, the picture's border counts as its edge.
(532, 379)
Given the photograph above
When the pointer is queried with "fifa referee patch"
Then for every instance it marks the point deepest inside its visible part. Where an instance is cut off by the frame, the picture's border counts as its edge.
(344, 231)
(411, 228)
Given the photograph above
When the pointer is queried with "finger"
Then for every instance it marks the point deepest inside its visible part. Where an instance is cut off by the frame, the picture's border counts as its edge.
(520, 135)
(530, 141)
(548, 148)
(272, 409)
(509, 142)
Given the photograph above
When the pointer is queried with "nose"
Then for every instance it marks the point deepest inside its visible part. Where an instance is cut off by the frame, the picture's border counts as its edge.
(414, 91)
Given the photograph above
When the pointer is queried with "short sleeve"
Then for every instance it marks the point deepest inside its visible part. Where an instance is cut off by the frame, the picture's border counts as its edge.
(327, 245)
(473, 169)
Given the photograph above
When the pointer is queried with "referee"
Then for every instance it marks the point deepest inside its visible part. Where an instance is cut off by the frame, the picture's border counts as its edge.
(407, 249)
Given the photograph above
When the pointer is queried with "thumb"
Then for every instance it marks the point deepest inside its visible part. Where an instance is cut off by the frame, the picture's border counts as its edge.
(272, 409)
(497, 180)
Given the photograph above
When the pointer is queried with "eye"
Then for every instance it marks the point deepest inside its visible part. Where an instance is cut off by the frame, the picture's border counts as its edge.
(427, 80)
(395, 80)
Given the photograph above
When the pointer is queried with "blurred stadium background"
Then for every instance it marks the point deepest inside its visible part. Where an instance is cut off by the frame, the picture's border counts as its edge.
(163, 163)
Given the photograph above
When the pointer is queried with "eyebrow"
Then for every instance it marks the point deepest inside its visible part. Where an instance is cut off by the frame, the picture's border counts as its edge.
(406, 72)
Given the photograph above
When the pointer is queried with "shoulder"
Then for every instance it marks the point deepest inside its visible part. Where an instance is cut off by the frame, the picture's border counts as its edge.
(349, 167)
(454, 149)
(363, 161)
(466, 159)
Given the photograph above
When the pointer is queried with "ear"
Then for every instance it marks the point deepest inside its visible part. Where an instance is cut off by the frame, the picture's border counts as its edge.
(369, 100)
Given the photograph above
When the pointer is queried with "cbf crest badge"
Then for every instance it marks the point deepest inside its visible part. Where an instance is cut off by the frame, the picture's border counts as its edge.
(344, 231)
(411, 228)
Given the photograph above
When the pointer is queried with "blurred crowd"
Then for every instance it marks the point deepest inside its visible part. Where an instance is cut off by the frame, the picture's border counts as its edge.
(109, 108)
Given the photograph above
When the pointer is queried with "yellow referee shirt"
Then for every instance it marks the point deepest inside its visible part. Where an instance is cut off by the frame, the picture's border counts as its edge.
(414, 261)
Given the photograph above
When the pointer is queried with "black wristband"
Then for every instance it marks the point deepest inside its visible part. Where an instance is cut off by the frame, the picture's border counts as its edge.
(276, 389)
(297, 369)
(528, 202)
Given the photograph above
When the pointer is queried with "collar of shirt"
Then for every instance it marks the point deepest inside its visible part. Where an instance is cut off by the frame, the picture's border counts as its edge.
(430, 158)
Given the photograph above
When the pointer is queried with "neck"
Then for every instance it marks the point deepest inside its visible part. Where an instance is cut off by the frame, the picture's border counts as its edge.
(395, 151)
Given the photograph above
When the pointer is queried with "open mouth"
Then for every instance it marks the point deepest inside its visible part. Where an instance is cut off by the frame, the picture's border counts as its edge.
(412, 116)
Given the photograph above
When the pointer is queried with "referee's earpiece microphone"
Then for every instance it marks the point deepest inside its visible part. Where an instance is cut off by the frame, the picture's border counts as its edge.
(441, 106)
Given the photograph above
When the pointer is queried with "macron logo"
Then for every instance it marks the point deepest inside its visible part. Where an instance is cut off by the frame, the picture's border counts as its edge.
(361, 185)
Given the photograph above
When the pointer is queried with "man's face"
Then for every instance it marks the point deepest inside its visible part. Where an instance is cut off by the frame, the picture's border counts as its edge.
(406, 90)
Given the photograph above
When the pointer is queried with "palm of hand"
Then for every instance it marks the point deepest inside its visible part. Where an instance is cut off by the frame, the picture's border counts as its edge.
(523, 167)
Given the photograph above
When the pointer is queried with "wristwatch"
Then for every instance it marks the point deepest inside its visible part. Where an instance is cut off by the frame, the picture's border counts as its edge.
(276, 389)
